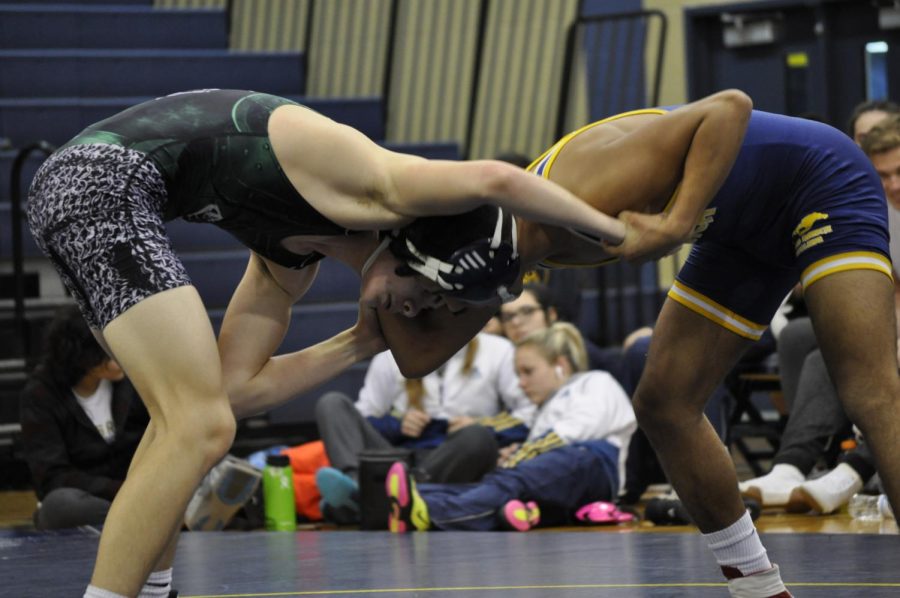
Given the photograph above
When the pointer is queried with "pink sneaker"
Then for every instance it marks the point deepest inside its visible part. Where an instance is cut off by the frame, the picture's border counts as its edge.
(520, 516)
(408, 511)
(602, 513)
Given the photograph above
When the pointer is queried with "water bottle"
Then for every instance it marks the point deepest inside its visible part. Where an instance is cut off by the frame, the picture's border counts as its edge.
(278, 494)
(864, 507)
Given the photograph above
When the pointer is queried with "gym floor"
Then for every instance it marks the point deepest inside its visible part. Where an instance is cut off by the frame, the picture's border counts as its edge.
(819, 556)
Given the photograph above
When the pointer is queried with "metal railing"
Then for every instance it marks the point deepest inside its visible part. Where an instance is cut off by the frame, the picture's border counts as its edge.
(610, 53)
(18, 250)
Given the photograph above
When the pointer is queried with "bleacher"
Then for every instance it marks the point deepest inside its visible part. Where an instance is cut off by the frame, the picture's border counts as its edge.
(65, 66)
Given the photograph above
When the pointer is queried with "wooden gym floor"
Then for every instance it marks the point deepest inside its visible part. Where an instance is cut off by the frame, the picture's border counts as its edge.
(819, 556)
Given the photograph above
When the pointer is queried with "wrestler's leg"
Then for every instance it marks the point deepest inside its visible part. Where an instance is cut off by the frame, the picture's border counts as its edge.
(854, 318)
(688, 357)
(168, 556)
(167, 347)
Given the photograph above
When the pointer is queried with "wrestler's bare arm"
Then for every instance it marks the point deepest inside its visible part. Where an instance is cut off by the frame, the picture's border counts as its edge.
(362, 186)
(693, 148)
(254, 326)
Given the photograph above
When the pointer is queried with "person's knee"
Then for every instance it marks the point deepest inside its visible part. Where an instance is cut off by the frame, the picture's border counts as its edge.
(331, 403)
(207, 431)
(477, 439)
(70, 507)
(656, 408)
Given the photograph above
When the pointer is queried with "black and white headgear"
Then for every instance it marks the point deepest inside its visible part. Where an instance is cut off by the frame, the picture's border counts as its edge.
(472, 256)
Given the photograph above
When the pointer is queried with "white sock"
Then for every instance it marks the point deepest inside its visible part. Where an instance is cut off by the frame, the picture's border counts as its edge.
(788, 472)
(95, 592)
(738, 546)
(158, 585)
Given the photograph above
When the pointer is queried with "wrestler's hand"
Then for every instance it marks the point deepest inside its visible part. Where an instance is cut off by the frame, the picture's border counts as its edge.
(368, 338)
(647, 237)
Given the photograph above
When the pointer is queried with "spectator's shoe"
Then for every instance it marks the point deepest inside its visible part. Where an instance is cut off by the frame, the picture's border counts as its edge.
(602, 512)
(826, 494)
(338, 490)
(408, 511)
(519, 516)
(339, 515)
(773, 489)
(765, 584)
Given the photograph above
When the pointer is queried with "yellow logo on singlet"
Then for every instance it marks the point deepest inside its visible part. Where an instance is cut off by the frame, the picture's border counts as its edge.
(703, 223)
(805, 236)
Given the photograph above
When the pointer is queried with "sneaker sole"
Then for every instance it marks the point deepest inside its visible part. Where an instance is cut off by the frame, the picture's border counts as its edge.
(408, 511)
(520, 516)
(754, 493)
(398, 495)
(517, 516)
(802, 501)
(336, 488)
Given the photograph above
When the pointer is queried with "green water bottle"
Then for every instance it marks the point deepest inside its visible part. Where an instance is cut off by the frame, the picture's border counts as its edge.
(278, 494)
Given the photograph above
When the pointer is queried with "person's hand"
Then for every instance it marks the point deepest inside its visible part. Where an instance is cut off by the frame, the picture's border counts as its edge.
(368, 338)
(458, 423)
(414, 422)
(647, 237)
(506, 452)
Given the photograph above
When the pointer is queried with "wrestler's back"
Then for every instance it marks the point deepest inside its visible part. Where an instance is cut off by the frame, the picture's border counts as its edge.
(783, 164)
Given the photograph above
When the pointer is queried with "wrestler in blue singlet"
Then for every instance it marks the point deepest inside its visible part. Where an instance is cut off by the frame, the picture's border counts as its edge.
(802, 201)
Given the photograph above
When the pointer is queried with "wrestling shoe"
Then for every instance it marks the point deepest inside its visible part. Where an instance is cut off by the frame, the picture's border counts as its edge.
(826, 494)
(518, 516)
(408, 511)
(765, 584)
(773, 489)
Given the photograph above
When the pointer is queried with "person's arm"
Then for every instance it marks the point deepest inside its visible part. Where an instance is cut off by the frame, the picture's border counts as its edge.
(362, 186)
(254, 326)
(694, 146)
(381, 387)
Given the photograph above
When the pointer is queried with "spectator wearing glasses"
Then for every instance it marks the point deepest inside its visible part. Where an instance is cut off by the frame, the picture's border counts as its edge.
(535, 309)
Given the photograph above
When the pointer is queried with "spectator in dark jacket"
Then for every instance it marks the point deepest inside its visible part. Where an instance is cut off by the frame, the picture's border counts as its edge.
(81, 425)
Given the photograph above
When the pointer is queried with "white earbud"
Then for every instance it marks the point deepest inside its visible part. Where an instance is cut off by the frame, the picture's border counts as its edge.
(559, 371)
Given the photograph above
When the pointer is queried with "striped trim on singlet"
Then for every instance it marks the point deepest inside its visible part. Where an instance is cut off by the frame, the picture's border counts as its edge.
(854, 260)
(716, 312)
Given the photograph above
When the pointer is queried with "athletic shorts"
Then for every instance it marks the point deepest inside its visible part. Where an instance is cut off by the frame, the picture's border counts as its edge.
(740, 282)
(96, 211)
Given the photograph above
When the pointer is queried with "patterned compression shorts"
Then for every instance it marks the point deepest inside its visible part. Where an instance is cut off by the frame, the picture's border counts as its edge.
(96, 212)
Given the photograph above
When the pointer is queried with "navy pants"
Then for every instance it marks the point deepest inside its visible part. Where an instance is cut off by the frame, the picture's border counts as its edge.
(562, 479)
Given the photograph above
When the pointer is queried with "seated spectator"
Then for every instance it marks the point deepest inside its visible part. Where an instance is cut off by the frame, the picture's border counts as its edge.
(816, 424)
(816, 420)
(866, 115)
(575, 453)
(81, 425)
(454, 420)
(535, 309)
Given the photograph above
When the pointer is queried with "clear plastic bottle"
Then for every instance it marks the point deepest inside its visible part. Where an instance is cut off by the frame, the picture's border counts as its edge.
(884, 507)
(865, 507)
